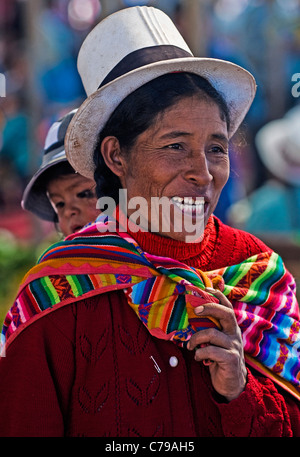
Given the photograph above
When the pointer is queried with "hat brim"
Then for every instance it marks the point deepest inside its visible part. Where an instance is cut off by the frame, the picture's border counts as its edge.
(34, 200)
(236, 85)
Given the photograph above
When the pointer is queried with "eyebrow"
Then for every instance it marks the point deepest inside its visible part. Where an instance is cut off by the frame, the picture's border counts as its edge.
(71, 188)
(176, 134)
(220, 136)
(53, 195)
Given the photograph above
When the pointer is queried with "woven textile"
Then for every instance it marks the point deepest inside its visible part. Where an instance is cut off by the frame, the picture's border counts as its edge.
(260, 289)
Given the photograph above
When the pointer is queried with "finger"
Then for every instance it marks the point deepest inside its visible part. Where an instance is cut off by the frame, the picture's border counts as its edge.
(209, 354)
(224, 315)
(211, 296)
(209, 336)
(220, 296)
(195, 307)
(206, 362)
(204, 338)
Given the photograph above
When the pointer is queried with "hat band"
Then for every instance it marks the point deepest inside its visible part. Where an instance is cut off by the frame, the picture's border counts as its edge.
(142, 57)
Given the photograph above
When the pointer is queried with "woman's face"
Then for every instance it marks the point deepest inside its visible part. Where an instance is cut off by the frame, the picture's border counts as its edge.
(182, 156)
(73, 199)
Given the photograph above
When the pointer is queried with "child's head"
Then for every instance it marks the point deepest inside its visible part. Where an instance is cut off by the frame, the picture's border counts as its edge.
(56, 193)
(72, 197)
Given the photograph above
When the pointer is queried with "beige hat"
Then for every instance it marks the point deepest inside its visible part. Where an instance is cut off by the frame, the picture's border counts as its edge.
(278, 145)
(125, 51)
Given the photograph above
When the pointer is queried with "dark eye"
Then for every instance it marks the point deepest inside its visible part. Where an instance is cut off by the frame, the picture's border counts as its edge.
(87, 193)
(59, 205)
(175, 146)
(218, 150)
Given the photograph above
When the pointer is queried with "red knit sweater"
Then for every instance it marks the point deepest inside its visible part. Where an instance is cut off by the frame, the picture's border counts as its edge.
(92, 369)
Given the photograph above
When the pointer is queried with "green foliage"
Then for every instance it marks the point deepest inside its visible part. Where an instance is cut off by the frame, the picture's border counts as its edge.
(16, 259)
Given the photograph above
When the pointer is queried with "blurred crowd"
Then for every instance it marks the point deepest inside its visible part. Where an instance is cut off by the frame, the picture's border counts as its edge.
(39, 42)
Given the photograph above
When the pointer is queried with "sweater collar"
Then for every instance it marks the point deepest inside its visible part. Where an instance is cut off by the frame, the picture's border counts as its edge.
(193, 254)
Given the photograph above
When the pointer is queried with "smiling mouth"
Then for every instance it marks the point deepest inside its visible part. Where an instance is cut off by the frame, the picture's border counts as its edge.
(191, 205)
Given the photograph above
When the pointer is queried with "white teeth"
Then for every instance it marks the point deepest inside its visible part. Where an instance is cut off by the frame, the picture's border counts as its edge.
(189, 200)
(177, 199)
(189, 204)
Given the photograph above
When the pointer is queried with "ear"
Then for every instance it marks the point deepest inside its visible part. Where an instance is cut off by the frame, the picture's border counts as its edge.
(111, 152)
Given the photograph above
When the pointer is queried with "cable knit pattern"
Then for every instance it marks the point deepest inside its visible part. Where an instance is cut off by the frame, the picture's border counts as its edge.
(92, 382)
(261, 412)
(93, 369)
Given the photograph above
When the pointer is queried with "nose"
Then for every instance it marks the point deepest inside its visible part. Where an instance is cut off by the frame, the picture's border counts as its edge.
(198, 171)
(71, 209)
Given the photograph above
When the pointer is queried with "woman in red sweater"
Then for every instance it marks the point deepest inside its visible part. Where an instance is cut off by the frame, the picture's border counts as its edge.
(134, 327)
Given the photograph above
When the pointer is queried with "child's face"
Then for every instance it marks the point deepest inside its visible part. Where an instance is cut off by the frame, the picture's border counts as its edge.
(74, 200)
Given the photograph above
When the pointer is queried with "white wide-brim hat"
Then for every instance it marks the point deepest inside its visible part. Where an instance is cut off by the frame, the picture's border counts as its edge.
(125, 51)
(34, 197)
(278, 145)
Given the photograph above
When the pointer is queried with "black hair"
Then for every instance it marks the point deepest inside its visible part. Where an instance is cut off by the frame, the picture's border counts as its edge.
(137, 112)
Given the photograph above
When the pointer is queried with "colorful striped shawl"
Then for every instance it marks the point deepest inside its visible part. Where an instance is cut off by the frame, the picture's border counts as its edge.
(95, 261)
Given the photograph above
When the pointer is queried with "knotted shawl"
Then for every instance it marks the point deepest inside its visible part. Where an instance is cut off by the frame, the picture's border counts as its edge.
(101, 258)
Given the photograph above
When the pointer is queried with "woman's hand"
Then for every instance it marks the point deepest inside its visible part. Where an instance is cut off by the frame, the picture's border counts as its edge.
(223, 348)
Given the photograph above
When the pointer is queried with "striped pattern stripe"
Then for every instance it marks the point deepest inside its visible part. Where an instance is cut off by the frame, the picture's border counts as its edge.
(260, 289)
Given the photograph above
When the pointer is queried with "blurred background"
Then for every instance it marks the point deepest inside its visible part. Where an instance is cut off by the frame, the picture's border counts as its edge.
(39, 43)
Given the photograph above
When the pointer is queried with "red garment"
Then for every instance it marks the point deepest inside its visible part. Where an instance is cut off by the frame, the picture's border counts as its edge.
(93, 369)
(221, 246)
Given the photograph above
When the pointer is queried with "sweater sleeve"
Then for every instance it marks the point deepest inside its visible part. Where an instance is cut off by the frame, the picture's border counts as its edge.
(35, 382)
(260, 411)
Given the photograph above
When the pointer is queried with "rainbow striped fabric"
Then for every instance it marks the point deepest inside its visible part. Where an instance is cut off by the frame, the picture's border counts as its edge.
(99, 259)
